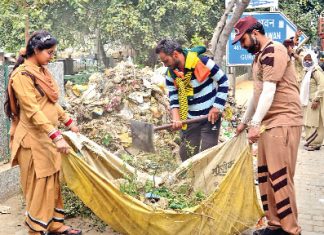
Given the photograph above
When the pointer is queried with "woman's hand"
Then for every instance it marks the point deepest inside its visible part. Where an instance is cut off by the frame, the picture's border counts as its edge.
(75, 129)
(62, 146)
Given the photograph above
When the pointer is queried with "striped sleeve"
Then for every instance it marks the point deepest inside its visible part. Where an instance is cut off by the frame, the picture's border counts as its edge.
(173, 92)
(274, 60)
(221, 79)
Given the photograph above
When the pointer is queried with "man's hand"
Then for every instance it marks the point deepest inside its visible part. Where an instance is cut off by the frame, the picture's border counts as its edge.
(290, 50)
(213, 115)
(315, 105)
(176, 124)
(296, 38)
(298, 33)
(254, 134)
(241, 127)
(176, 121)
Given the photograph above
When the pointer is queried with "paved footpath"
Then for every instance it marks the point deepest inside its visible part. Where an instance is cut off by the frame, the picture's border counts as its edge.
(309, 181)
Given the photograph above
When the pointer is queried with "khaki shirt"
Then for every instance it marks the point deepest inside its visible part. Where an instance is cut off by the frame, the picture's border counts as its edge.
(316, 92)
(272, 64)
(38, 116)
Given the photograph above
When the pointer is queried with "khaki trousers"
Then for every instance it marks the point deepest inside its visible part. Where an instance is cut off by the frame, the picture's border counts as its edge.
(44, 205)
(315, 135)
(277, 155)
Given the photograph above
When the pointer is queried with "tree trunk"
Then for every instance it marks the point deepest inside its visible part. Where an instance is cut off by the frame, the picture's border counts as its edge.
(223, 30)
(152, 58)
(220, 26)
(26, 22)
(102, 58)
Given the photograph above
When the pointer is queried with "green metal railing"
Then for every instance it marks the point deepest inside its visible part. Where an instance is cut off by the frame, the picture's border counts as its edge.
(5, 123)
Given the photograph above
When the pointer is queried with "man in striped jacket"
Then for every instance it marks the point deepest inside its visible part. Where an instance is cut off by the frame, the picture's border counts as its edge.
(197, 86)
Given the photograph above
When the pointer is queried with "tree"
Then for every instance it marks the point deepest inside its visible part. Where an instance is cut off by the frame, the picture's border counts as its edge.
(79, 24)
(141, 24)
(304, 14)
(224, 28)
(18, 18)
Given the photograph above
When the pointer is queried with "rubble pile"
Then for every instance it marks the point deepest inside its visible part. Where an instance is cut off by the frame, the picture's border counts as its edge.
(105, 106)
(230, 119)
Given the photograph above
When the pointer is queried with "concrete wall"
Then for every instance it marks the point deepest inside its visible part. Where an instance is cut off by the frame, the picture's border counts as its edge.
(9, 183)
(57, 70)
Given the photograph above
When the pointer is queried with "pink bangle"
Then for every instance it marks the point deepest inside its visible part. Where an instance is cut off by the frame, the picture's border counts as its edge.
(57, 138)
(55, 135)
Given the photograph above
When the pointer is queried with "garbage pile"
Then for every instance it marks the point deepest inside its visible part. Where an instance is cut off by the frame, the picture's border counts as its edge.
(104, 107)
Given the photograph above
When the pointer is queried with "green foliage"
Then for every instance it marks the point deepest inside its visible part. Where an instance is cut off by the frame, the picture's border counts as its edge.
(142, 25)
(196, 40)
(178, 197)
(127, 158)
(74, 207)
(304, 14)
(131, 187)
(107, 140)
(139, 24)
(82, 78)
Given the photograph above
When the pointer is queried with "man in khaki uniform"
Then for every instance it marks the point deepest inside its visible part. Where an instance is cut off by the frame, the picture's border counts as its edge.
(275, 105)
(295, 55)
(311, 94)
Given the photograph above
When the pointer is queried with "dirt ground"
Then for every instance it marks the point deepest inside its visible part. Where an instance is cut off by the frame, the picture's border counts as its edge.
(14, 222)
(243, 92)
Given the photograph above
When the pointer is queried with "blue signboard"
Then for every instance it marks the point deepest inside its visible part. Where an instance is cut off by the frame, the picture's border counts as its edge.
(263, 3)
(276, 26)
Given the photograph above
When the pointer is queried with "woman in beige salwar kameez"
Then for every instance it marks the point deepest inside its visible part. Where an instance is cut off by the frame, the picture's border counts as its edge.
(311, 94)
(36, 143)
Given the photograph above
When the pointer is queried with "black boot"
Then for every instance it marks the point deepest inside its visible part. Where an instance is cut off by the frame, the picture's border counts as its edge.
(268, 231)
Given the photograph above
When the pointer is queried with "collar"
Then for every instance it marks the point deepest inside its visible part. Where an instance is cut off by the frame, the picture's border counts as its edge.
(256, 56)
(265, 45)
(34, 66)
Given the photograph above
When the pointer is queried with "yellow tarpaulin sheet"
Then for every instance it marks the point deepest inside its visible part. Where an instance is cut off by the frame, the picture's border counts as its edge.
(231, 207)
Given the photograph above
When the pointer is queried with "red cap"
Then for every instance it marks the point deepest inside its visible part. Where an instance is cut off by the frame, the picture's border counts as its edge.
(242, 25)
(288, 42)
